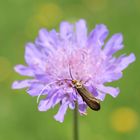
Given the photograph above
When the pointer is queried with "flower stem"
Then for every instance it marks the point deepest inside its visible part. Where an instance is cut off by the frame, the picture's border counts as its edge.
(75, 123)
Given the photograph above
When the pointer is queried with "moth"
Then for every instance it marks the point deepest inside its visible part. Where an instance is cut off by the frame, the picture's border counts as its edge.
(87, 97)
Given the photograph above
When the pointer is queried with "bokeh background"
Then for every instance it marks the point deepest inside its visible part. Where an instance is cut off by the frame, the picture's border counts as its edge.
(20, 20)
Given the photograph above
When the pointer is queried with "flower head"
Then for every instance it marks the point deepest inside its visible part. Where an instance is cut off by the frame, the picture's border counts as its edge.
(56, 58)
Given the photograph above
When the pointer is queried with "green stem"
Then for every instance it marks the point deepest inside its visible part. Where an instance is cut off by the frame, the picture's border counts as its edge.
(75, 122)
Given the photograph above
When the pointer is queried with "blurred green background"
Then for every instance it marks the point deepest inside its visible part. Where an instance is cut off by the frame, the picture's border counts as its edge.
(20, 20)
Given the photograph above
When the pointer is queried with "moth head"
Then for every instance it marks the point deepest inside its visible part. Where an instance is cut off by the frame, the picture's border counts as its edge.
(76, 84)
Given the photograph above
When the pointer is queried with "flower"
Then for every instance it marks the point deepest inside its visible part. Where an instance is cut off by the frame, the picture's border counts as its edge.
(90, 60)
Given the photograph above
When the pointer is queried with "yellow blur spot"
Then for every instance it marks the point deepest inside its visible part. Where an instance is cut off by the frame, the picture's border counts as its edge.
(48, 15)
(5, 68)
(124, 119)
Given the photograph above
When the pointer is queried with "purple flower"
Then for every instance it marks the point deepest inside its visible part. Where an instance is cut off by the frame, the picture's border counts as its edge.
(91, 61)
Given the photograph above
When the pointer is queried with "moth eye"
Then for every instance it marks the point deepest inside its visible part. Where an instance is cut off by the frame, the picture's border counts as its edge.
(74, 82)
(78, 85)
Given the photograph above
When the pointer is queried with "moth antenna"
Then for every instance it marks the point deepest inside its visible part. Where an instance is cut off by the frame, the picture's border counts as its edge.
(73, 79)
(41, 92)
(70, 72)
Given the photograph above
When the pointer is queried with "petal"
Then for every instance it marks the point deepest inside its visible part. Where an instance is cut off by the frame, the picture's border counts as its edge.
(45, 39)
(22, 84)
(101, 96)
(92, 90)
(72, 105)
(51, 100)
(34, 57)
(111, 76)
(23, 70)
(114, 44)
(32, 54)
(61, 112)
(36, 88)
(56, 99)
(82, 108)
(43, 105)
(81, 32)
(125, 61)
(55, 39)
(44, 77)
(97, 36)
(66, 30)
(110, 90)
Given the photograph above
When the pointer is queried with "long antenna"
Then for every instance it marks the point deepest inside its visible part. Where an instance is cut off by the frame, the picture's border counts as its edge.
(46, 86)
(70, 72)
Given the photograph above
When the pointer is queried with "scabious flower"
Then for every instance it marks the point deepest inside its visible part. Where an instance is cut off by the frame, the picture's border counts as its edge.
(91, 61)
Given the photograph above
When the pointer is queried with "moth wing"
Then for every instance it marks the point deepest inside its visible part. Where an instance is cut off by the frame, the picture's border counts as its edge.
(90, 100)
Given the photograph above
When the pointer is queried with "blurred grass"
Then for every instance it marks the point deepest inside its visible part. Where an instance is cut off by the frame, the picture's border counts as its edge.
(20, 21)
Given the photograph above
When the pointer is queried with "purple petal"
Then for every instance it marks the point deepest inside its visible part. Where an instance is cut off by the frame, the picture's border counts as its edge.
(81, 32)
(111, 76)
(125, 61)
(55, 38)
(61, 113)
(101, 96)
(66, 30)
(43, 105)
(72, 105)
(92, 90)
(34, 58)
(51, 100)
(114, 44)
(22, 84)
(23, 70)
(81, 105)
(97, 36)
(82, 108)
(36, 88)
(43, 77)
(43, 37)
(46, 39)
(110, 90)
(32, 54)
